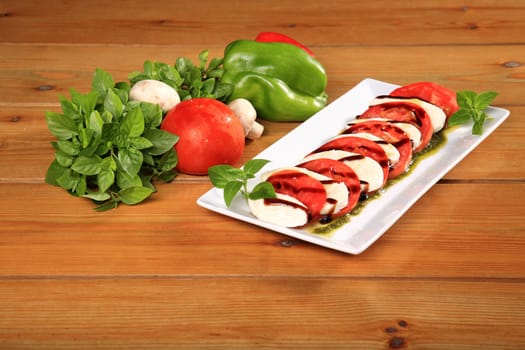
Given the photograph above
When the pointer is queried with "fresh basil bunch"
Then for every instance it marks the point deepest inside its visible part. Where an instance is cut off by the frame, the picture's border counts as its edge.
(108, 148)
(472, 107)
(190, 80)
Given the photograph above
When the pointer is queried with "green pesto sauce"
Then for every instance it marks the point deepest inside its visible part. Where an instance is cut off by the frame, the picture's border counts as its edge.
(436, 143)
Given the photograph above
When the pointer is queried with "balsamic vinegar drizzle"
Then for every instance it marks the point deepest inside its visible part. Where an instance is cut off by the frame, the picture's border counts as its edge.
(327, 225)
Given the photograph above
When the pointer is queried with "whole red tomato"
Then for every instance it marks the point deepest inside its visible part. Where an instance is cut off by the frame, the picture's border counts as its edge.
(209, 134)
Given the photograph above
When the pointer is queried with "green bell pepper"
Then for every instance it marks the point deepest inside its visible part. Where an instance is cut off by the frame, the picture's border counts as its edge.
(282, 81)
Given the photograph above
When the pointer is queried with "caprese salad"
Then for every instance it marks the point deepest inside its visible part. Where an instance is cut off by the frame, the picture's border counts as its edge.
(378, 146)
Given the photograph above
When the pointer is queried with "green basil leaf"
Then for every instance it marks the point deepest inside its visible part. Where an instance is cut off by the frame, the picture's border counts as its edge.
(149, 69)
(134, 77)
(109, 163)
(262, 190)
(254, 165)
(85, 102)
(110, 133)
(152, 114)
(107, 117)
(69, 108)
(196, 86)
(168, 161)
(54, 171)
(125, 180)
(208, 86)
(141, 143)
(477, 127)
(484, 99)
(146, 182)
(462, 116)
(87, 165)
(102, 82)
(130, 160)
(68, 180)
(61, 126)
(171, 76)
(112, 204)
(184, 94)
(466, 99)
(63, 159)
(105, 179)
(97, 196)
(183, 65)
(148, 159)
(86, 135)
(203, 58)
(215, 63)
(176, 84)
(102, 149)
(113, 104)
(122, 94)
(222, 91)
(68, 147)
(216, 73)
(230, 191)
(92, 147)
(81, 186)
(166, 176)
(162, 141)
(222, 174)
(134, 195)
(96, 123)
(124, 86)
(132, 124)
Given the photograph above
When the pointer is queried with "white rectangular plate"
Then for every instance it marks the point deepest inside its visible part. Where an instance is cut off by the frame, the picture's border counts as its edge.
(378, 215)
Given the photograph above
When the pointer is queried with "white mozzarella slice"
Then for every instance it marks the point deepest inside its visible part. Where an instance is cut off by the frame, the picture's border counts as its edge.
(391, 151)
(283, 210)
(336, 192)
(412, 131)
(436, 114)
(337, 197)
(367, 169)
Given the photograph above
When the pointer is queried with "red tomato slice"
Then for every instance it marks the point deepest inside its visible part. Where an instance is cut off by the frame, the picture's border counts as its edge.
(391, 134)
(359, 145)
(271, 37)
(309, 191)
(405, 112)
(430, 92)
(340, 172)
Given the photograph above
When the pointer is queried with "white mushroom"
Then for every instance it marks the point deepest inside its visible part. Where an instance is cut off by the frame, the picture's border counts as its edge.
(247, 114)
(155, 91)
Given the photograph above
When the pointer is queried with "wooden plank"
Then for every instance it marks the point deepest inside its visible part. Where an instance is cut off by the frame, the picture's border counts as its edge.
(329, 23)
(284, 313)
(455, 230)
(25, 142)
(38, 74)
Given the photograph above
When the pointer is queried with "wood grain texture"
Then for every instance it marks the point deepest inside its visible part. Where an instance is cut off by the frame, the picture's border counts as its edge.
(168, 274)
(327, 23)
(265, 313)
(39, 73)
(163, 237)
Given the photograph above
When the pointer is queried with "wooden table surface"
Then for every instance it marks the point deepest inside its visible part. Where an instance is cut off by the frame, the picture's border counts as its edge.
(166, 274)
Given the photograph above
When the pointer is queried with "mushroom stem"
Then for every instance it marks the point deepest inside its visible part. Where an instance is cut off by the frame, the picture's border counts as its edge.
(247, 114)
